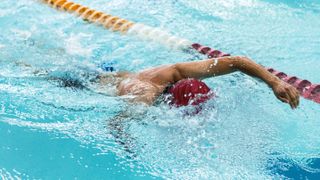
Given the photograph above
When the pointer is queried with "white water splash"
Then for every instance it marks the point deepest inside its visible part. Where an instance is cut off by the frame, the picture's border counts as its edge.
(74, 46)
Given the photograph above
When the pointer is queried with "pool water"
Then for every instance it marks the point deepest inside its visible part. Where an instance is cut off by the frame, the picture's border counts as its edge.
(51, 132)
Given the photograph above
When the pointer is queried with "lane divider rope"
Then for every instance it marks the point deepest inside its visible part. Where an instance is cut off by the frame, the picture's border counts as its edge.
(306, 88)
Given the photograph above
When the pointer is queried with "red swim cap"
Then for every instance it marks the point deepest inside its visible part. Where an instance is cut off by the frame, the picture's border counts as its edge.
(189, 91)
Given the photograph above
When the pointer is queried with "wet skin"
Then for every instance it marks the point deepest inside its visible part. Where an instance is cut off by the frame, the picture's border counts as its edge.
(148, 84)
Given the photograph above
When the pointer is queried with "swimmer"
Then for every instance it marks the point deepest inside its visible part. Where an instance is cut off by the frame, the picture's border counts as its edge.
(184, 81)
(181, 81)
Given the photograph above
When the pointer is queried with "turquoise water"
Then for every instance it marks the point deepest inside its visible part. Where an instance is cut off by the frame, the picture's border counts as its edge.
(51, 132)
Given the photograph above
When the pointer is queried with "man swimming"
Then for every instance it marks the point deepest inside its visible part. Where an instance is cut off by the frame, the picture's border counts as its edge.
(181, 81)
(147, 85)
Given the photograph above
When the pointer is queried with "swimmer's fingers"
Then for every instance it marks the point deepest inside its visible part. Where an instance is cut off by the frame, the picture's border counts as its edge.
(287, 93)
(292, 99)
(294, 96)
(280, 95)
(284, 98)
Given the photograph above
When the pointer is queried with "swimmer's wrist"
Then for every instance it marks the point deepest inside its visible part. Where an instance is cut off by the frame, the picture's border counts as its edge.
(274, 82)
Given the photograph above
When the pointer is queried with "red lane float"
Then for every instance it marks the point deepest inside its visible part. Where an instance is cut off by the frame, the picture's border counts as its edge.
(306, 88)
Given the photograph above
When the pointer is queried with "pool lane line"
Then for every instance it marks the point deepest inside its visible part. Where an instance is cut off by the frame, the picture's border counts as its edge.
(108, 21)
(306, 88)
(118, 24)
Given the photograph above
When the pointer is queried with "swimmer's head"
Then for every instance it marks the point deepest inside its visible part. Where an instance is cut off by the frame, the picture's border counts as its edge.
(189, 92)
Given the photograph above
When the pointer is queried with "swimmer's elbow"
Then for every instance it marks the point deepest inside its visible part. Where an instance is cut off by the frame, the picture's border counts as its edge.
(239, 62)
(177, 71)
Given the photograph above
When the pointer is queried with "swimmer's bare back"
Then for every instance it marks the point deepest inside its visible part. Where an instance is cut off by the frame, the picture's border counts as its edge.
(148, 84)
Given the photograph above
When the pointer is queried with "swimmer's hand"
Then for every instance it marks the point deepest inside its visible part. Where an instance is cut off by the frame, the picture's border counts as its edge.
(286, 93)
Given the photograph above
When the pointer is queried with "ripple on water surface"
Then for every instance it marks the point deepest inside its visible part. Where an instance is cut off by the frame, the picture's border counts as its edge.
(51, 131)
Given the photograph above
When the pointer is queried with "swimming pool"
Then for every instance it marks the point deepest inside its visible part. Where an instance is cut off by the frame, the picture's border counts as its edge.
(50, 132)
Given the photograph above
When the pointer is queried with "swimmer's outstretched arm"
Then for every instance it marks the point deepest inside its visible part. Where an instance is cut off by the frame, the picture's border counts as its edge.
(225, 65)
